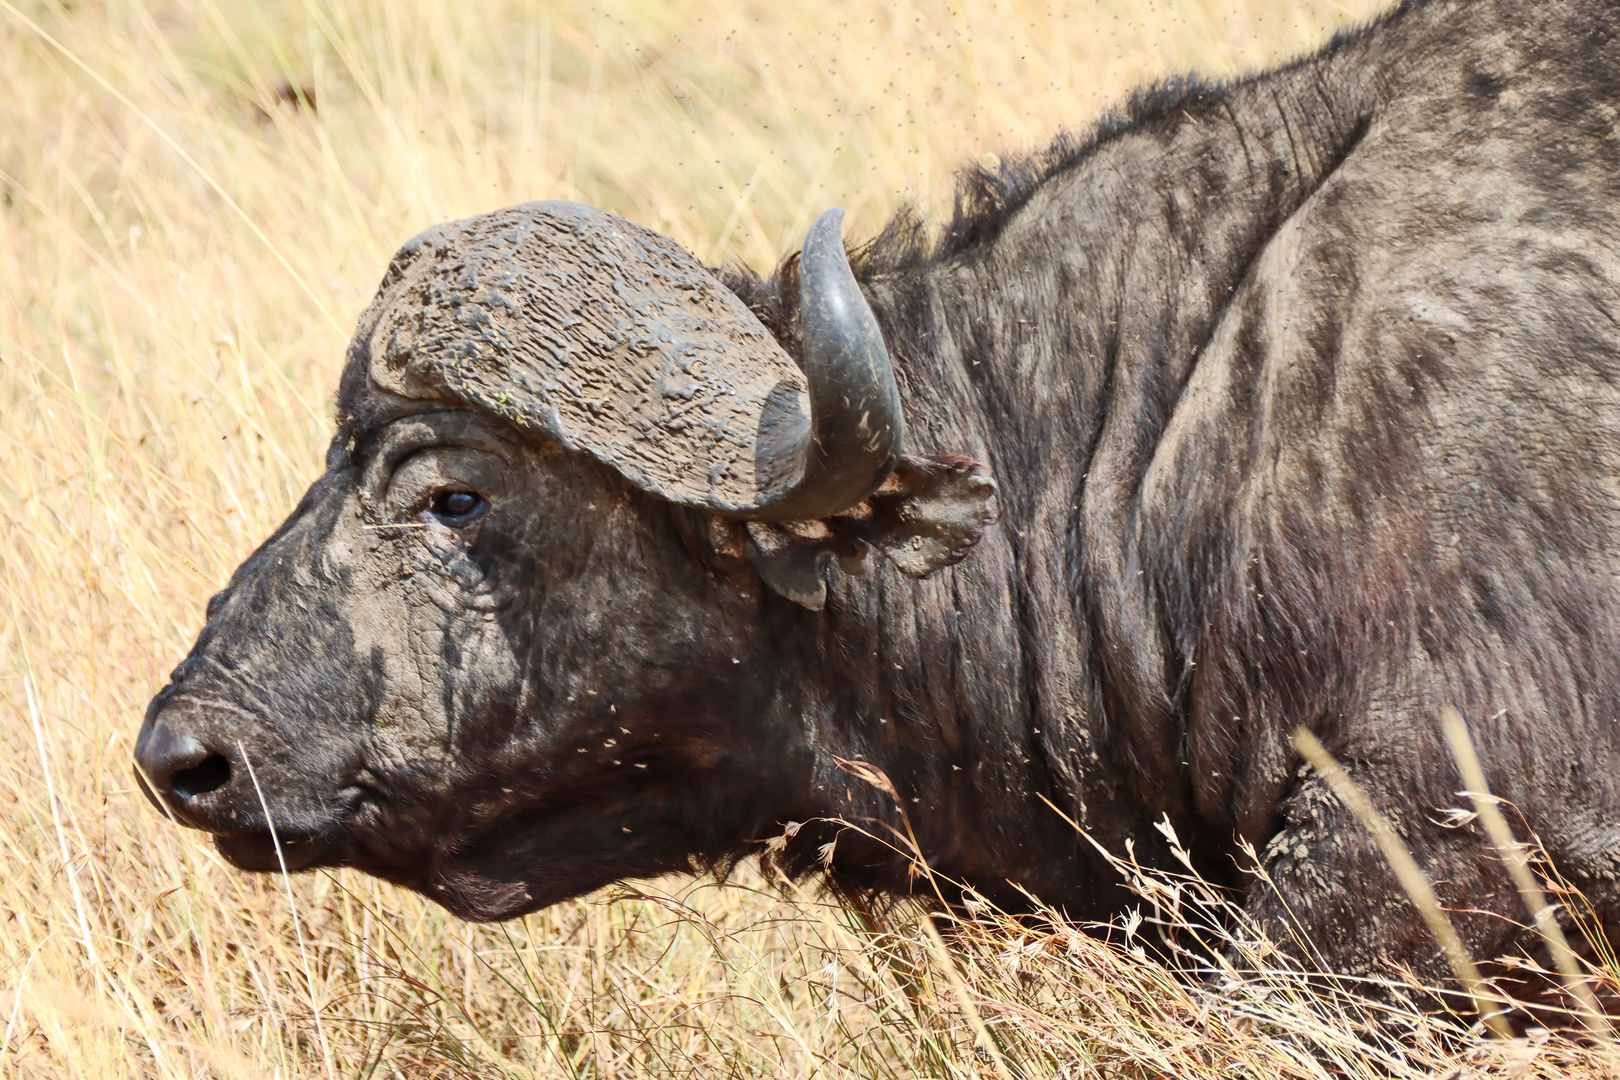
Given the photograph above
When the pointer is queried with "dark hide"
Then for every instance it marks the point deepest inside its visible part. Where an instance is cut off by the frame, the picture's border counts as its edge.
(1303, 396)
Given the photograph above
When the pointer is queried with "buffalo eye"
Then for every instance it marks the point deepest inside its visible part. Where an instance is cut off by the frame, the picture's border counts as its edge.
(456, 507)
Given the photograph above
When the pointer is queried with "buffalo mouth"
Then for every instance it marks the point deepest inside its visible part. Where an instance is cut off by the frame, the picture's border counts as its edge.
(264, 852)
(487, 859)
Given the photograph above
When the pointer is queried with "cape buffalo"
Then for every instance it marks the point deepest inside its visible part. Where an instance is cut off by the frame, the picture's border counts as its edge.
(1293, 401)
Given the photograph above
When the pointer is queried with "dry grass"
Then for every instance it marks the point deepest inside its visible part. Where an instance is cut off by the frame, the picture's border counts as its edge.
(184, 244)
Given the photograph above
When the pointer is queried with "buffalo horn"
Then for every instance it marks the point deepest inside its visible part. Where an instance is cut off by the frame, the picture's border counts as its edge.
(855, 426)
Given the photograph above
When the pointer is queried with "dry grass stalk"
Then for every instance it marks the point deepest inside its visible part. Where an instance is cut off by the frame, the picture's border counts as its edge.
(1409, 874)
(1542, 914)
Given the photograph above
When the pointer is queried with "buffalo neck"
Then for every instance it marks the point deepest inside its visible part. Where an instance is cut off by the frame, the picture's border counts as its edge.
(1053, 344)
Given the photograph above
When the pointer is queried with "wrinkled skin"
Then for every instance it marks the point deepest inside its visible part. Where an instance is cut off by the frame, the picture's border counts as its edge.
(1304, 398)
(413, 711)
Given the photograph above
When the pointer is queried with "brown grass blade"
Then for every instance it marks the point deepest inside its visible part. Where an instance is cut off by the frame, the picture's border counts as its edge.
(1409, 874)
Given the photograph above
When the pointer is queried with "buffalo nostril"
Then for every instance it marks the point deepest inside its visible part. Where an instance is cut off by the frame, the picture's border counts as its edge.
(211, 774)
(177, 765)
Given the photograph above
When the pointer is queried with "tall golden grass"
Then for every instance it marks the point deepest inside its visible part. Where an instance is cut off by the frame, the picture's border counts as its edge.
(198, 198)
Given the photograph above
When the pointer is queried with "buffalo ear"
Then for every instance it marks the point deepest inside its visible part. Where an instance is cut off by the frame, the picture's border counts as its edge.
(927, 515)
(792, 557)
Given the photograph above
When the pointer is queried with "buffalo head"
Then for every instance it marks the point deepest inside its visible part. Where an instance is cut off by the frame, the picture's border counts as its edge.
(527, 635)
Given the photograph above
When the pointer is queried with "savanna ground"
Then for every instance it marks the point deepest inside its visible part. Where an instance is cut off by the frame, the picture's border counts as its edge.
(198, 198)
